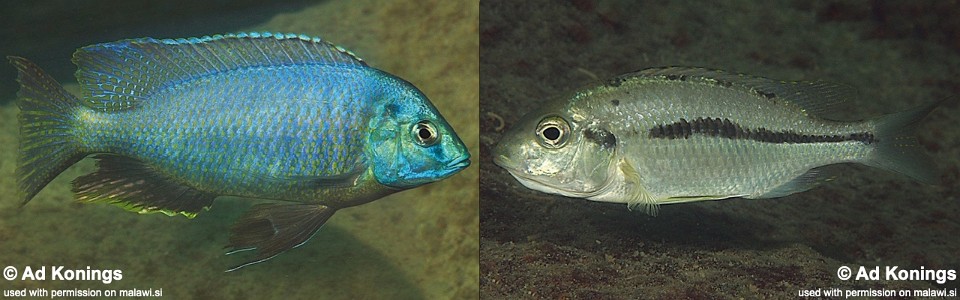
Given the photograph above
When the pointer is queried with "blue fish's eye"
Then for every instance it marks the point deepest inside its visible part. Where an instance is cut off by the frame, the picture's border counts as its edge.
(425, 133)
(553, 131)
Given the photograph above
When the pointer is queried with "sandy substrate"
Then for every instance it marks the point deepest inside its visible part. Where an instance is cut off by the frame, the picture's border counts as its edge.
(546, 246)
(420, 243)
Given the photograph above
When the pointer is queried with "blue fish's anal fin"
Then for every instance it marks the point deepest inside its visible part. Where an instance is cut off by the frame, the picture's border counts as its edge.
(272, 229)
(119, 75)
(137, 187)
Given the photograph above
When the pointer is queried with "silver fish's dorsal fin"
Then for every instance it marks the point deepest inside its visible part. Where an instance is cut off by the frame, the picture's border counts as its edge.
(815, 98)
(118, 75)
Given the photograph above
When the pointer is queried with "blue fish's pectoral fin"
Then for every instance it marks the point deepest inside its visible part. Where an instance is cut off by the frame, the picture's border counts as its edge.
(344, 180)
(272, 229)
(137, 187)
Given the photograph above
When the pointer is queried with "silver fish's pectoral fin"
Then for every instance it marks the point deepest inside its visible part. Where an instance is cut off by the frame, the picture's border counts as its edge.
(642, 201)
(272, 229)
(137, 187)
(639, 198)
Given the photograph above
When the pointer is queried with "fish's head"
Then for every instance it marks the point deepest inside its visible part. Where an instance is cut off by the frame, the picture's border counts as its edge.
(558, 153)
(411, 143)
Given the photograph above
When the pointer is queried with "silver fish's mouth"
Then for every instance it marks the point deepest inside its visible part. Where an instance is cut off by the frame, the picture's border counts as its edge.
(514, 169)
(538, 183)
(504, 162)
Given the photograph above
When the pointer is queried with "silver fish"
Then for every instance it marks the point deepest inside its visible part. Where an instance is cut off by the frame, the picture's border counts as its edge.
(674, 135)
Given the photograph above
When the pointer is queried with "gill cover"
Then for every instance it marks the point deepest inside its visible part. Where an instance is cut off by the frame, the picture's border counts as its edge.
(557, 154)
(410, 143)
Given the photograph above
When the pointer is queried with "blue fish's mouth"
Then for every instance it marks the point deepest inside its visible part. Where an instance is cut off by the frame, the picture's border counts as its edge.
(459, 164)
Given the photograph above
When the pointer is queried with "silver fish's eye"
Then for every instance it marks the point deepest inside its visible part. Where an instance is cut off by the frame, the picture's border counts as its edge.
(425, 134)
(553, 131)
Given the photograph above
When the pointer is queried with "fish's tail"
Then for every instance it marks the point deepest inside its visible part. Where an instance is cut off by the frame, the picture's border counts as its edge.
(47, 143)
(897, 148)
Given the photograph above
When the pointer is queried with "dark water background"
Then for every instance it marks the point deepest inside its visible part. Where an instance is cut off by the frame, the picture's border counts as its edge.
(420, 243)
(898, 54)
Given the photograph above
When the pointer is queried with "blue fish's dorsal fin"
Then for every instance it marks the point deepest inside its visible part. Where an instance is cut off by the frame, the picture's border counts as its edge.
(814, 98)
(118, 75)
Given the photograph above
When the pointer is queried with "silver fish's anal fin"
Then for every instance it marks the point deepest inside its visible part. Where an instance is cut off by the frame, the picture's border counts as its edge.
(897, 149)
(804, 182)
(272, 229)
(120, 75)
(638, 197)
(685, 199)
(815, 98)
(137, 187)
(47, 144)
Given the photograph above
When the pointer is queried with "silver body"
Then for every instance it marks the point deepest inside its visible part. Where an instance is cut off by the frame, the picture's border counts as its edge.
(708, 165)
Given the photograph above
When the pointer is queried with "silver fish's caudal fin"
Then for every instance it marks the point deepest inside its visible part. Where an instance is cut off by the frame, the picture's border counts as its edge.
(272, 229)
(47, 146)
(897, 148)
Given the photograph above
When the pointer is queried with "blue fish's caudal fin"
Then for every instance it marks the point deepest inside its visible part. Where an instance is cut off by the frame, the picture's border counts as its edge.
(272, 229)
(897, 148)
(47, 145)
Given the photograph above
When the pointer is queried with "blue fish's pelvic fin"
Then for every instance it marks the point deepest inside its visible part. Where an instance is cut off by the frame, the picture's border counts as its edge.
(137, 187)
(272, 229)
(118, 75)
(47, 144)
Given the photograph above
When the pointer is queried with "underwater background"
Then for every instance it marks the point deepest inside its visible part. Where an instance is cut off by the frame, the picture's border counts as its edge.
(898, 54)
(417, 244)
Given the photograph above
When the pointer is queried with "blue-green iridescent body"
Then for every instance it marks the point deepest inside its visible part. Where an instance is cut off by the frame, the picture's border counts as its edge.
(304, 122)
(176, 123)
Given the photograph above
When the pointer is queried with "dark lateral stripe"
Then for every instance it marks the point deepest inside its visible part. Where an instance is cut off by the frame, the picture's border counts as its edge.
(726, 129)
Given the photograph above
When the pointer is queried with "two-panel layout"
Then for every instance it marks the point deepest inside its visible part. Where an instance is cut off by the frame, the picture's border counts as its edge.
(593, 136)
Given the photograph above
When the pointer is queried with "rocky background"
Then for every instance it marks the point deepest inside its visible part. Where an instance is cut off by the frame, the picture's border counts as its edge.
(898, 54)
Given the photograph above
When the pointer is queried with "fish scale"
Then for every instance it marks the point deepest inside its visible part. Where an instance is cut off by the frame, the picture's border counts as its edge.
(176, 123)
(267, 137)
(687, 159)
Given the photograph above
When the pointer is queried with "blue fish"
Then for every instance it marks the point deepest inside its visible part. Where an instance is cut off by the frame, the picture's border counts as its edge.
(175, 123)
